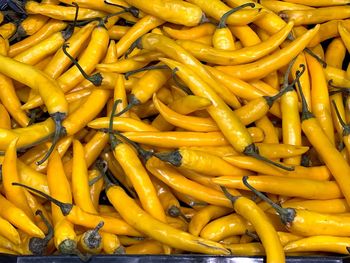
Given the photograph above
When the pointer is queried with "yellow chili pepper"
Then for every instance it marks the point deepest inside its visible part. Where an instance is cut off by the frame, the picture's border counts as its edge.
(130, 64)
(96, 186)
(77, 216)
(304, 222)
(10, 100)
(51, 27)
(335, 53)
(61, 12)
(269, 130)
(144, 25)
(199, 161)
(111, 243)
(174, 11)
(60, 62)
(320, 3)
(10, 175)
(80, 180)
(222, 37)
(64, 236)
(175, 180)
(46, 47)
(279, 58)
(332, 206)
(226, 226)
(5, 243)
(92, 149)
(204, 216)
(169, 202)
(278, 6)
(156, 229)
(182, 105)
(9, 231)
(265, 230)
(227, 121)
(319, 243)
(240, 56)
(217, 9)
(287, 186)
(178, 139)
(190, 33)
(18, 218)
(324, 147)
(31, 24)
(116, 32)
(5, 121)
(315, 16)
(320, 103)
(8, 30)
(139, 178)
(174, 51)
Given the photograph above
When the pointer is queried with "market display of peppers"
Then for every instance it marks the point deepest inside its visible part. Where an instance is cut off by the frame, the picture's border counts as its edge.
(170, 127)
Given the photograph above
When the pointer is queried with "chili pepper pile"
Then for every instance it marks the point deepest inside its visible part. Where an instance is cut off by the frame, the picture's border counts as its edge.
(167, 127)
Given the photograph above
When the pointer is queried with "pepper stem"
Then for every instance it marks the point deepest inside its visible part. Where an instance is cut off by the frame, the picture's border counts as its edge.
(38, 245)
(346, 127)
(223, 19)
(173, 157)
(154, 67)
(144, 154)
(132, 10)
(113, 140)
(178, 83)
(287, 215)
(230, 197)
(133, 101)
(174, 211)
(92, 238)
(285, 87)
(305, 113)
(95, 79)
(253, 151)
(136, 44)
(65, 207)
(311, 53)
(70, 29)
(57, 117)
(341, 89)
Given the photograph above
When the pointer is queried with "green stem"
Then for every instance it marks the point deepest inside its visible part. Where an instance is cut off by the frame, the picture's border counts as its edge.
(92, 238)
(38, 245)
(230, 197)
(287, 214)
(144, 154)
(178, 83)
(133, 101)
(65, 207)
(305, 113)
(223, 19)
(346, 127)
(70, 29)
(253, 151)
(154, 67)
(285, 87)
(311, 53)
(173, 157)
(132, 10)
(136, 44)
(57, 117)
(95, 79)
(113, 140)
